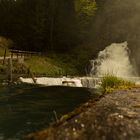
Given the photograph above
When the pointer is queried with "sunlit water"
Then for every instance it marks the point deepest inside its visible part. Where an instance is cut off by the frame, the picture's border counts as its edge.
(26, 108)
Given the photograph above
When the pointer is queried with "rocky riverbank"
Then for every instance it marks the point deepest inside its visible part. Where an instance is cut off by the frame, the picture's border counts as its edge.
(115, 116)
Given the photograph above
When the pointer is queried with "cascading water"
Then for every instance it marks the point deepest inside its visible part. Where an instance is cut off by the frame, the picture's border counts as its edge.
(114, 59)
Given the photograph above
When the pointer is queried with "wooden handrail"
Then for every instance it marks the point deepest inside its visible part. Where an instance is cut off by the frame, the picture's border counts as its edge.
(25, 52)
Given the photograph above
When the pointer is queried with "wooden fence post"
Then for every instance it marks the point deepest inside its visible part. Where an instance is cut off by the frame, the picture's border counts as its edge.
(4, 57)
(9, 71)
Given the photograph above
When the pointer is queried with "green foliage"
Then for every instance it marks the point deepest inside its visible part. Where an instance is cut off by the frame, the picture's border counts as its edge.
(2, 51)
(85, 7)
(3, 68)
(19, 68)
(51, 26)
(110, 82)
(53, 65)
(50, 66)
(5, 42)
(46, 25)
(39, 24)
(85, 12)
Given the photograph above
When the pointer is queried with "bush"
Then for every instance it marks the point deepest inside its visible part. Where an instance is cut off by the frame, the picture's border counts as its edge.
(3, 68)
(110, 82)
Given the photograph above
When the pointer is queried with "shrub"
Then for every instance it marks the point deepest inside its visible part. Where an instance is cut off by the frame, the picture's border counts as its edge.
(110, 82)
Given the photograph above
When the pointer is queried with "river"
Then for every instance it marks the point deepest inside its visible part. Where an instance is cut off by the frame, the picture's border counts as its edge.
(28, 108)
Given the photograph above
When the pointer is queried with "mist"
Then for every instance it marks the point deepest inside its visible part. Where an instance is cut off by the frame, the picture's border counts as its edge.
(114, 60)
(118, 21)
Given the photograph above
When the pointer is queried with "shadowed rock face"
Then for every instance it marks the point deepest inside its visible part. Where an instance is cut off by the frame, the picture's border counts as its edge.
(118, 21)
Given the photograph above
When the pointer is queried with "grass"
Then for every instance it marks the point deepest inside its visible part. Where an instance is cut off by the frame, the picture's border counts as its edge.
(49, 66)
(111, 82)
(54, 65)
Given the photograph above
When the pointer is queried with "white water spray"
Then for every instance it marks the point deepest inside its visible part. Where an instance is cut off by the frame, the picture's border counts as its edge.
(114, 59)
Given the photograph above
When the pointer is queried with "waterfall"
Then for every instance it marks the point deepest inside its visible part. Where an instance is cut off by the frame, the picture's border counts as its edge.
(114, 59)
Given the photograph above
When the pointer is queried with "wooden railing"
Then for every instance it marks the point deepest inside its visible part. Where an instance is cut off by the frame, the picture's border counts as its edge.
(23, 53)
(16, 54)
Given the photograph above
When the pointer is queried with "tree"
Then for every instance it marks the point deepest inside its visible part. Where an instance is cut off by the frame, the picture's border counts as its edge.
(85, 11)
(46, 25)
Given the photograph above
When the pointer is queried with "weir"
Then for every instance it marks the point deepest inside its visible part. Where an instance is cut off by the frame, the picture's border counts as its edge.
(113, 60)
(89, 82)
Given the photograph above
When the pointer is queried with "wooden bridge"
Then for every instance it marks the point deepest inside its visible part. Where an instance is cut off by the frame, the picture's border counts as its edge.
(17, 55)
